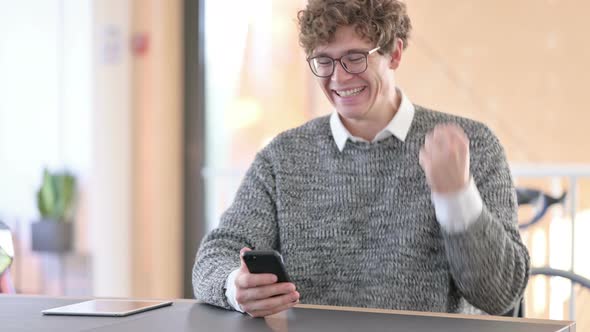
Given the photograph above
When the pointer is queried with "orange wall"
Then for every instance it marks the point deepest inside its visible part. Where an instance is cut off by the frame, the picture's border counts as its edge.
(520, 66)
(157, 160)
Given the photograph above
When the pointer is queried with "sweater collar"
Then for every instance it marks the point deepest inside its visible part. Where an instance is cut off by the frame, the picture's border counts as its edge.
(398, 126)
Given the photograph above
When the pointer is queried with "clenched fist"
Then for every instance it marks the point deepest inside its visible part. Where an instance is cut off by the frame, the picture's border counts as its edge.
(445, 159)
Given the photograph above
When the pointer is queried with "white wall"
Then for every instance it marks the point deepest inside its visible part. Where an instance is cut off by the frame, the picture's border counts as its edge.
(45, 109)
(30, 116)
(111, 205)
(65, 103)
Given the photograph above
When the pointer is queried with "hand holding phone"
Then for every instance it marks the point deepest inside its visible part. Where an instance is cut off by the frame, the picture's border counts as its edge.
(260, 294)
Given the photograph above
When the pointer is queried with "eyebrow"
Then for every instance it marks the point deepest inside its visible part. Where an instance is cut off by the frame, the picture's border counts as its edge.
(354, 50)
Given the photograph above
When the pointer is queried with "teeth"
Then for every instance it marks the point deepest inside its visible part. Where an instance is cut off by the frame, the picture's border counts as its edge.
(351, 92)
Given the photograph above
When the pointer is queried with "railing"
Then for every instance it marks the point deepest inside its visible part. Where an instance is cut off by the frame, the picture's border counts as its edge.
(558, 171)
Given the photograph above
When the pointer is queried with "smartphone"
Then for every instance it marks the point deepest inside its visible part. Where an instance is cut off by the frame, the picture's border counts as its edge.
(266, 261)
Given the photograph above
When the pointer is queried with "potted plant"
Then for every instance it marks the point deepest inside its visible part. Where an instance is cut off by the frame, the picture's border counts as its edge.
(56, 200)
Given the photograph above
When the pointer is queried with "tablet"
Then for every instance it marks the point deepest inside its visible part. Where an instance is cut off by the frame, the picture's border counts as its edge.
(112, 308)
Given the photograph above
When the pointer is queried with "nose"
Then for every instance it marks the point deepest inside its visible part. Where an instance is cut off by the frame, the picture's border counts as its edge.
(339, 74)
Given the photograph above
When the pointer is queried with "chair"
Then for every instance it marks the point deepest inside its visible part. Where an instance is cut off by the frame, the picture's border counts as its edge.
(551, 272)
(6, 258)
(541, 203)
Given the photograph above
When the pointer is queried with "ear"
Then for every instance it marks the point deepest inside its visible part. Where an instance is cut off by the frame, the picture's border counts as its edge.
(396, 54)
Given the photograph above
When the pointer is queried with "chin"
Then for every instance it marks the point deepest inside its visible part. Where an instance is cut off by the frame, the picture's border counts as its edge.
(353, 111)
(352, 114)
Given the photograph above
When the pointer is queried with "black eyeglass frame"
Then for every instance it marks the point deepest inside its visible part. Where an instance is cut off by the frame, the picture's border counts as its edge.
(365, 55)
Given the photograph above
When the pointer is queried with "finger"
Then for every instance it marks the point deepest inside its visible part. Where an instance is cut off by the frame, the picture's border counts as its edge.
(463, 138)
(461, 142)
(458, 133)
(427, 151)
(436, 147)
(454, 131)
(270, 303)
(264, 313)
(264, 292)
(455, 128)
(251, 280)
(458, 141)
(428, 140)
(243, 266)
(438, 131)
(423, 159)
(440, 136)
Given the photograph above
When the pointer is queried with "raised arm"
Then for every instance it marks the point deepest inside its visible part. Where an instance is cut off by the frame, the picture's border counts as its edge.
(489, 262)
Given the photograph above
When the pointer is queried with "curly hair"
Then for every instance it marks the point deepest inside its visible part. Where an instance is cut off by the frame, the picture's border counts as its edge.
(379, 21)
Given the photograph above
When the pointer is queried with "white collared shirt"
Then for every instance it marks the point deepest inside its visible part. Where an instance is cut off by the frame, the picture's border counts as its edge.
(454, 211)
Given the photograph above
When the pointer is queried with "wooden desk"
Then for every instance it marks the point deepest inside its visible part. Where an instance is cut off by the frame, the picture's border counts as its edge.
(23, 313)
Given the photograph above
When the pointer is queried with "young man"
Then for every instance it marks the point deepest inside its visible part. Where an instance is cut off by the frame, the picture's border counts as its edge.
(383, 204)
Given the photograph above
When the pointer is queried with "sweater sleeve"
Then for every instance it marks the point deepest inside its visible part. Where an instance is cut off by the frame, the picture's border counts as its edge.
(489, 262)
(249, 222)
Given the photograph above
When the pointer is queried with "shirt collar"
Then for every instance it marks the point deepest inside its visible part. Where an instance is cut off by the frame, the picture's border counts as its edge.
(398, 126)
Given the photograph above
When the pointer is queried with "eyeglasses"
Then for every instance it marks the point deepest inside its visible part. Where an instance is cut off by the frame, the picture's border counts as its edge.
(353, 62)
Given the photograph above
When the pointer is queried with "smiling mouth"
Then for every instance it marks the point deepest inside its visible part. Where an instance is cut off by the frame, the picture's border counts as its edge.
(350, 92)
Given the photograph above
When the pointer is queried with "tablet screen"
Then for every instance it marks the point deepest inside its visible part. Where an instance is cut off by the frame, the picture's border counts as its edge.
(106, 307)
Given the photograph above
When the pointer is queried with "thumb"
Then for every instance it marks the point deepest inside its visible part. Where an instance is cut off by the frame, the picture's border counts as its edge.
(422, 159)
(243, 266)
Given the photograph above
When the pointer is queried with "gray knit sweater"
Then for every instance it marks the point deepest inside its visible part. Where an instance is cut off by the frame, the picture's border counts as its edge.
(358, 228)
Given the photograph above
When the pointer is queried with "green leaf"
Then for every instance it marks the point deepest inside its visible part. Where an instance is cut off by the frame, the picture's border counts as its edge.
(57, 196)
(46, 200)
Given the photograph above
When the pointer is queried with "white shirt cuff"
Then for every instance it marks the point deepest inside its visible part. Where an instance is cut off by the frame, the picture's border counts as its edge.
(230, 291)
(456, 211)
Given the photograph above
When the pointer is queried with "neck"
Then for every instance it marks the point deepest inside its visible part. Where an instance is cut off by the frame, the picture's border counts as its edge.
(367, 128)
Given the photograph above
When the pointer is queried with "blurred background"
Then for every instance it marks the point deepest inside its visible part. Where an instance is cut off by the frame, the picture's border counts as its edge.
(154, 109)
